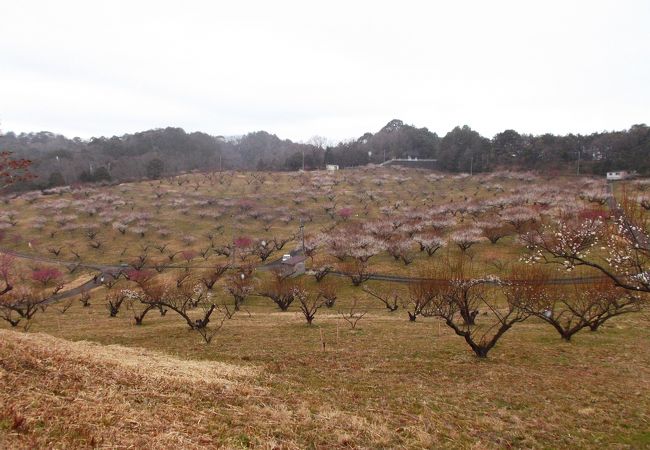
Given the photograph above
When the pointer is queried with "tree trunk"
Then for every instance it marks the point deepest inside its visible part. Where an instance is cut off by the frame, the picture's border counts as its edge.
(202, 323)
(139, 318)
(481, 352)
(468, 316)
(566, 335)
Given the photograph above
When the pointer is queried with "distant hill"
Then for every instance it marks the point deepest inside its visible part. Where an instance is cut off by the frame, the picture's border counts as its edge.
(167, 151)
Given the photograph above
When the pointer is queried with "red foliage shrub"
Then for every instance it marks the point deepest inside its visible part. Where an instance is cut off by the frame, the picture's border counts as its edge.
(45, 275)
(243, 242)
(345, 213)
(593, 214)
(139, 276)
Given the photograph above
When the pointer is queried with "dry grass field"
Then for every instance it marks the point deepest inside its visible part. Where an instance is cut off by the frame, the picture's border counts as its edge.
(266, 382)
(79, 378)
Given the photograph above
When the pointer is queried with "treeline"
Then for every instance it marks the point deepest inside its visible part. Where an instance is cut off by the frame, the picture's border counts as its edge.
(464, 150)
(58, 160)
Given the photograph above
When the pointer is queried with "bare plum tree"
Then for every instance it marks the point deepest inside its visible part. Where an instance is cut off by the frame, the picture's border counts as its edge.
(279, 288)
(353, 314)
(449, 299)
(390, 298)
(310, 303)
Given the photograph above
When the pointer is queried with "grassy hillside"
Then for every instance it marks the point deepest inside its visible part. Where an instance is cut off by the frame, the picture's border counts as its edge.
(79, 378)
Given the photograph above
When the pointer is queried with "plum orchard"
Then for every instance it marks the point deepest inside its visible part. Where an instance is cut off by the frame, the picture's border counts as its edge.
(197, 247)
(480, 310)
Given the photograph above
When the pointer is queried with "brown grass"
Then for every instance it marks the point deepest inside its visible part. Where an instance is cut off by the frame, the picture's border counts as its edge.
(61, 394)
(265, 383)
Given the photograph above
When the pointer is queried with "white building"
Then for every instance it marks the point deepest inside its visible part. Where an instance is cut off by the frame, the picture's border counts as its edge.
(332, 167)
(620, 175)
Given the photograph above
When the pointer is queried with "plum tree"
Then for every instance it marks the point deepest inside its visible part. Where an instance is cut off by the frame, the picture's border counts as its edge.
(240, 285)
(353, 314)
(310, 302)
(390, 298)
(619, 247)
(574, 307)
(279, 288)
(13, 170)
(449, 300)
(466, 237)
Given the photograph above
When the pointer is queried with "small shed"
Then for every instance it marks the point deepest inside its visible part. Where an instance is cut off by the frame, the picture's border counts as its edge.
(331, 167)
(295, 265)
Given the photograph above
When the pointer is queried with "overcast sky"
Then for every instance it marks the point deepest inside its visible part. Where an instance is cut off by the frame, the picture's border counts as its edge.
(336, 68)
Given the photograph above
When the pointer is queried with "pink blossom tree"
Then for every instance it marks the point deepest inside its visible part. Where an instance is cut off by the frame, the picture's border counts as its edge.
(466, 238)
(429, 243)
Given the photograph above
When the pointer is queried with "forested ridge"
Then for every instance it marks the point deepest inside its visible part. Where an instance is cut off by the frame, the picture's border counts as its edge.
(58, 160)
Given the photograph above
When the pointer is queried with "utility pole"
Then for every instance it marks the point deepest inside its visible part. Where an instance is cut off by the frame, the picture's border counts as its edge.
(232, 220)
(302, 235)
(303, 159)
(579, 153)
